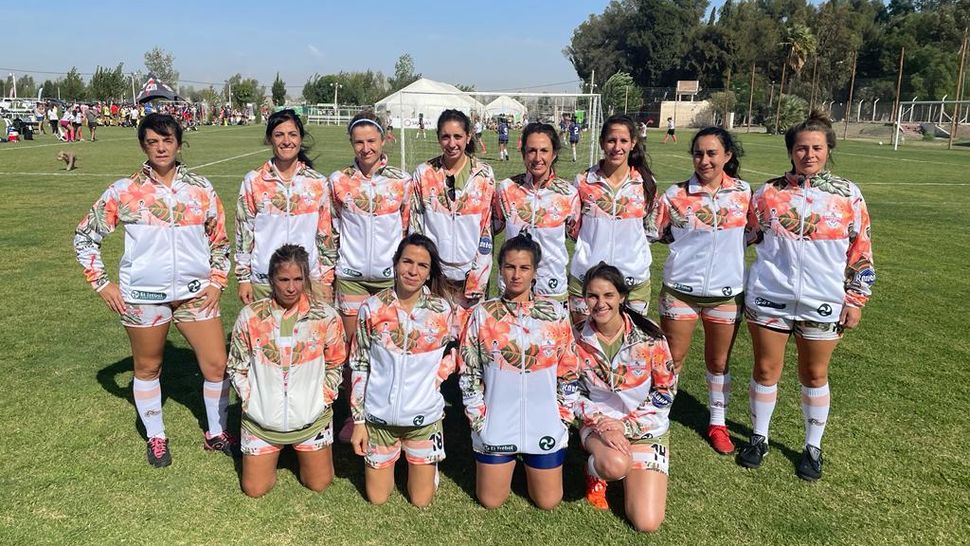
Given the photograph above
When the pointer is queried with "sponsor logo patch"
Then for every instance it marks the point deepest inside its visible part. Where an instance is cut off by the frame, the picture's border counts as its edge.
(761, 302)
(504, 448)
(825, 309)
(727, 291)
(661, 400)
(351, 272)
(375, 420)
(553, 283)
(194, 286)
(485, 245)
(418, 421)
(866, 276)
(387, 272)
(630, 281)
(546, 443)
(152, 296)
(681, 287)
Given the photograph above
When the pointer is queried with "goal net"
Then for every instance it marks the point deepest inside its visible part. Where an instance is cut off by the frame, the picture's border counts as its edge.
(414, 118)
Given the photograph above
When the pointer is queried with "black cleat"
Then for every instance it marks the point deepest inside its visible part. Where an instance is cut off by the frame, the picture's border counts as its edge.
(751, 454)
(810, 467)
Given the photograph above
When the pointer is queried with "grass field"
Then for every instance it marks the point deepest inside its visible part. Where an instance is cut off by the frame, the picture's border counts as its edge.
(72, 465)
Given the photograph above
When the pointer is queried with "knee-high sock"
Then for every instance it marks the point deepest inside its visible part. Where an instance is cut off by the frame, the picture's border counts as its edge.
(718, 396)
(215, 395)
(148, 402)
(762, 400)
(815, 409)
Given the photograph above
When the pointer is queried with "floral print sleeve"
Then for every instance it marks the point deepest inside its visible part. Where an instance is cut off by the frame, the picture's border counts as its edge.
(326, 239)
(659, 221)
(859, 272)
(360, 364)
(471, 368)
(240, 347)
(101, 220)
(663, 388)
(567, 371)
(215, 230)
(334, 355)
(245, 225)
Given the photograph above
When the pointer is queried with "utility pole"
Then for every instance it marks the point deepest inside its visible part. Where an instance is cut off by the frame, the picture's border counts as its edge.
(954, 123)
(811, 105)
(848, 105)
(750, 98)
(781, 89)
(626, 96)
(897, 106)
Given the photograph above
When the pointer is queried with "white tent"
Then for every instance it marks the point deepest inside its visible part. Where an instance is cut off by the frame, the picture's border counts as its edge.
(506, 106)
(426, 97)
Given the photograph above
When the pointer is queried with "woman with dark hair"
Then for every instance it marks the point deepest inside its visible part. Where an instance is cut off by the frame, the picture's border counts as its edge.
(541, 204)
(616, 198)
(703, 220)
(285, 201)
(371, 208)
(518, 380)
(451, 204)
(811, 277)
(399, 359)
(627, 385)
(285, 360)
(174, 269)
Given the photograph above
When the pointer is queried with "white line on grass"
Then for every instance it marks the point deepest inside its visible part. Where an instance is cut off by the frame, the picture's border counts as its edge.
(9, 148)
(259, 151)
(871, 156)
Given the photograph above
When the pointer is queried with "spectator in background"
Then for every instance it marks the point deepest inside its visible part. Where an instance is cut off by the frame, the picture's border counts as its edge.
(92, 118)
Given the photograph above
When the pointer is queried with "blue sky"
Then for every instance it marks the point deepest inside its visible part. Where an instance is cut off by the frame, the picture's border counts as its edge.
(492, 44)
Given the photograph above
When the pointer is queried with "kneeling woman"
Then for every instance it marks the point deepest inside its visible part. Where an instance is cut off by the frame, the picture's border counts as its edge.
(627, 386)
(518, 381)
(285, 361)
(398, 363)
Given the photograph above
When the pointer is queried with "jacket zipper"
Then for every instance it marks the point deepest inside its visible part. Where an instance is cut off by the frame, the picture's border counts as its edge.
(801, 248)
(713, 252)
(399, 369)
(171, 222)
(523, 416)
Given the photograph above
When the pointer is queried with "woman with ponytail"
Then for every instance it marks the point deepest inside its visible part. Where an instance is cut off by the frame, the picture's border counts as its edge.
(616, 197)
(703, 220)
(626, 387)
(283, 202)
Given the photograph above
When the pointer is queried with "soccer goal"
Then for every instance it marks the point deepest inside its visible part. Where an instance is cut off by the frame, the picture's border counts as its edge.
(414, 118)
(928, 120)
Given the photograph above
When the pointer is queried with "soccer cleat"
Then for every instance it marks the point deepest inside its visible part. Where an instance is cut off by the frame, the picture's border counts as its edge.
(596, 493)
(157, 452)
(753, 453)
(810, 466)
(346, 431)
(222, 442)
(719, 439)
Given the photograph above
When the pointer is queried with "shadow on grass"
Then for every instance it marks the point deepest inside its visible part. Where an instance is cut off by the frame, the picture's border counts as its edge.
(693, 414)
(181, 382)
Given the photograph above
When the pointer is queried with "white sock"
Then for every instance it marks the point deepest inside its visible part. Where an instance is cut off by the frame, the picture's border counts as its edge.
(762, 400)
(591, 468)
(815, 409)
(215, 395)
(148, 403)
(718, 395)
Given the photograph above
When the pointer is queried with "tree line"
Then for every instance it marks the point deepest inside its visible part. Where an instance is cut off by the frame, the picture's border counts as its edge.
(655, 43)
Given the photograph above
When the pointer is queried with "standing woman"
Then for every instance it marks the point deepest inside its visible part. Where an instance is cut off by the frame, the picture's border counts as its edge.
(399, 362)
(703, 220)
(173, 269)
(503, 139)
(284, 202)
(616, 197)
(627, 385)
(285, 360)
(371, 203)
(542, 204)
(518, 381)
(812, 275)
(451, 204)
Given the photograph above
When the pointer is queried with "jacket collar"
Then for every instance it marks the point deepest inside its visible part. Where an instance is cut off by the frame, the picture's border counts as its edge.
(695, 186)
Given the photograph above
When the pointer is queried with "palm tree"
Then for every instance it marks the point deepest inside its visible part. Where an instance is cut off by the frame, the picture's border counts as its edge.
(800, 43)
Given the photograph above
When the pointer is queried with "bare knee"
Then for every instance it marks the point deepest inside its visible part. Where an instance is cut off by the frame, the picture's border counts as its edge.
(421, 500)
(647, 523)
(612, 466)
(317, 484)
(256, 489)
(547, 502)
(491, 501)
(377, 498)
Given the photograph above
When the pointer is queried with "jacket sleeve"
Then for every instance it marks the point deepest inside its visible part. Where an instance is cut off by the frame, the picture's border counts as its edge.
(659, 222)
(568, 379)
(498, 215)
(334, 356)
(240, 355)
(334, 215)
(101, 220)
(476, 281)
(471, 365)
(416, 224)
(572, 230)
(663, 387)
(325, 240)
(860, 274)
(753, 231)
(245, 225)
(360, 364)
(215, 230)
(407, 184)
(449, 362)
